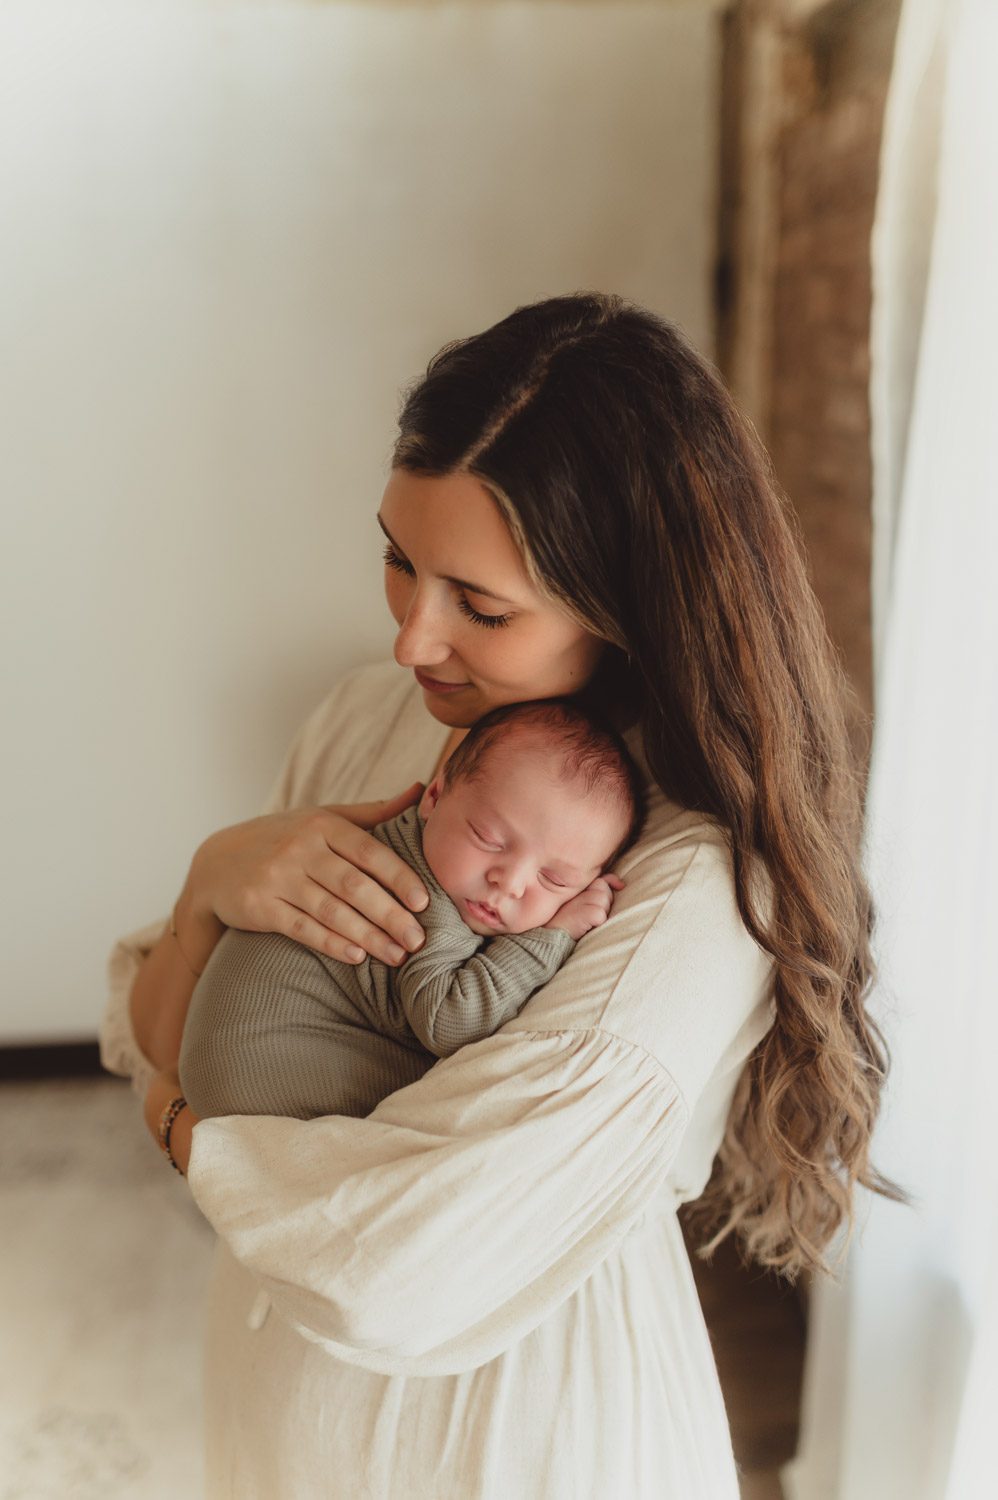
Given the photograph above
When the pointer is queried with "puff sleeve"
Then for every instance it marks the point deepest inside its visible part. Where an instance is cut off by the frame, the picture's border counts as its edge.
(432, 1235)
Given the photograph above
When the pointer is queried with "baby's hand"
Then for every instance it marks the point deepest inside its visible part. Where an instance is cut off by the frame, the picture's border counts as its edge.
(589, 908)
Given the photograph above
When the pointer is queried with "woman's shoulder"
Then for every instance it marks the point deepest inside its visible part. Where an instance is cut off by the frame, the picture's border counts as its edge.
(680, 875)
(672, 837)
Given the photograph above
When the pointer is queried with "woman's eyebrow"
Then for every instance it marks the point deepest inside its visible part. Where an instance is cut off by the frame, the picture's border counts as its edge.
(476, 588)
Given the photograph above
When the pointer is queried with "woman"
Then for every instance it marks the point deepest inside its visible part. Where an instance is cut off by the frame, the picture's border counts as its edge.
(481, 1289)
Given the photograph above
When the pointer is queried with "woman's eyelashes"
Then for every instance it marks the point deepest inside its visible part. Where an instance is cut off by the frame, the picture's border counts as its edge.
(492, 621)
(393, 560)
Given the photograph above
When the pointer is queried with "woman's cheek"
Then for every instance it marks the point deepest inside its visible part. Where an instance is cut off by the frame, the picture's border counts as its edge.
(513, 667)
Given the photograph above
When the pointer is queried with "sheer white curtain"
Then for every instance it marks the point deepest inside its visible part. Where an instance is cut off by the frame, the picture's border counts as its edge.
(901, 1384)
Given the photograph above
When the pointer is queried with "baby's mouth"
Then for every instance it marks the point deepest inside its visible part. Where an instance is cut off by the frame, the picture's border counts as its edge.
(486, 911)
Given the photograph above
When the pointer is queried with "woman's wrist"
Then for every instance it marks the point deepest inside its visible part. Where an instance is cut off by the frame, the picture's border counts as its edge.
(181, 1138)
(164, 1087)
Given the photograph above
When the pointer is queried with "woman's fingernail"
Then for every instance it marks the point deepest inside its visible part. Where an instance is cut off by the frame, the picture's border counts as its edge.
(355, 954)
(414, 937)
(417, 899)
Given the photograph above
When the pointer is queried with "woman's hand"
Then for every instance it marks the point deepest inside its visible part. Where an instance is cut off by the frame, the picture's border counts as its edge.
(316, 875)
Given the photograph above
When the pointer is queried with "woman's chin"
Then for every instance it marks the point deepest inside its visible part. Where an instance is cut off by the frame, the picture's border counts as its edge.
(447, 712)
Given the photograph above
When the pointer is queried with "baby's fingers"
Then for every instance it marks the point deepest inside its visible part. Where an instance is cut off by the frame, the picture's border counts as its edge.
(597, 905)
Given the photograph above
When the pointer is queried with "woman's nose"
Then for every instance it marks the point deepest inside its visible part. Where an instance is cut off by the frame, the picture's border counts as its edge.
(420, 641)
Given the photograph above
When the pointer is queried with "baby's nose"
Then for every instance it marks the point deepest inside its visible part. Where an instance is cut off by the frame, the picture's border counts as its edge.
(510, 883)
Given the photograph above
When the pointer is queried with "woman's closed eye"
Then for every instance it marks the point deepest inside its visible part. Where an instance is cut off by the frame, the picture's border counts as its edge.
(393, 560)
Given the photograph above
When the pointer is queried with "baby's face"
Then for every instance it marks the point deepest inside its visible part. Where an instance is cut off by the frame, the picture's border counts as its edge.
(517, 841)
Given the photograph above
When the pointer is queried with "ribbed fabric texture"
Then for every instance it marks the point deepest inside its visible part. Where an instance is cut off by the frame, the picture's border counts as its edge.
(275, 1028)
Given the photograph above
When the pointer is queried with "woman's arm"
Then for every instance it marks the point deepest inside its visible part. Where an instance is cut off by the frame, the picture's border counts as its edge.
(164, 984)
(314, 874)
(435, 1233)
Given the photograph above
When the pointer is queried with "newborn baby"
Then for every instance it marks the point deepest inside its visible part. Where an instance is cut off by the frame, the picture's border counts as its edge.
(509, 839)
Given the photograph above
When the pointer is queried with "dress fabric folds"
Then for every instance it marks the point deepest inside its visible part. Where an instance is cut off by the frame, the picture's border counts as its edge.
(481, 1290)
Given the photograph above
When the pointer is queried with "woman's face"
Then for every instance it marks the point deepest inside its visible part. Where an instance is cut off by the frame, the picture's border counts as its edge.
(467, 612)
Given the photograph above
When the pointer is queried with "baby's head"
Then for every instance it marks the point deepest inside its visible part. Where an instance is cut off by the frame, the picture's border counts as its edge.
(536, 801)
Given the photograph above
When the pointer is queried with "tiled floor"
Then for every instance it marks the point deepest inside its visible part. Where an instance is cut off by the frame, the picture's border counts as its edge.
(106, 1261)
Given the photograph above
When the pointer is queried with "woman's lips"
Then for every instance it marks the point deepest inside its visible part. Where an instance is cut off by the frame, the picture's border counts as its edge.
(433, 686)
(483, 913)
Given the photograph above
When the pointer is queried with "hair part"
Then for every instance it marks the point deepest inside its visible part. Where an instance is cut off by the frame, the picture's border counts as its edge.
(591, 751)
(644, 503)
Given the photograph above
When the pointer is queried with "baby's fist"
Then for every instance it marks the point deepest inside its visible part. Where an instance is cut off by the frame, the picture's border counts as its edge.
(581, 913)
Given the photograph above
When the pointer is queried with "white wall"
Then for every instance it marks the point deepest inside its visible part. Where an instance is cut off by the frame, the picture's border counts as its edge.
(231, 232)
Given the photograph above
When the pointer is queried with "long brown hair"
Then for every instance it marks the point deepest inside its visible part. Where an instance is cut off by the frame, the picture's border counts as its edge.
(644, 503)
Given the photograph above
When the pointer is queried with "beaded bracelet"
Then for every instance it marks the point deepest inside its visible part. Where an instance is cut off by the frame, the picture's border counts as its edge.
(173, 928)
(166, 1119)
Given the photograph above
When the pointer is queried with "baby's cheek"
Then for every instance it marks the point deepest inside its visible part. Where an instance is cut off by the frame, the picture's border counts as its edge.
(549, 907)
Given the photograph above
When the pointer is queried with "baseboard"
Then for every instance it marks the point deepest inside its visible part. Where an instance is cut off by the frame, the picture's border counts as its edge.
(52, 1060)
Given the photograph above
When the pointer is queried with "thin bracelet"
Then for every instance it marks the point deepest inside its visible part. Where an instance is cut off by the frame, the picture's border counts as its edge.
(173, 928)
(166, 1119)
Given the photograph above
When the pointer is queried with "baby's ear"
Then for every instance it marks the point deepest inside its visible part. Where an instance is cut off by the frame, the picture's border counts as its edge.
(430, 797)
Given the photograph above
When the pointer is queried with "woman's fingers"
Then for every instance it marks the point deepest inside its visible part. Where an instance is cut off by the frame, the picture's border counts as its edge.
(370, 854)
(353, 890)
(350, 938)
(366, 915)
(356, 855)
(315, 875)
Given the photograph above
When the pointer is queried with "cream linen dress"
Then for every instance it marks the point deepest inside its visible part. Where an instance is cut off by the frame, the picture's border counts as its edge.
(481, 1290)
